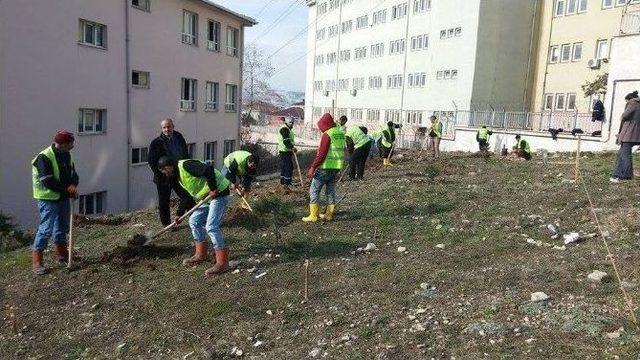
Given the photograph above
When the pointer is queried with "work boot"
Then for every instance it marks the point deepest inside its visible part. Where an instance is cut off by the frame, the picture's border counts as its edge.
(61, 252)
(313, 213)
(199, 256)
(221, 264)
(38, 268)
(328, 214)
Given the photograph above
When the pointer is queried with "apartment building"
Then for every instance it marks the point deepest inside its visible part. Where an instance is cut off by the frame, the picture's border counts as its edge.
(572, 47)
(397, 60)
(110, 71)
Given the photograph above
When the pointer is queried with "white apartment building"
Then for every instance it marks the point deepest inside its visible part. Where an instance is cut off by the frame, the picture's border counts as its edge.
(400, 60)
(110, 71)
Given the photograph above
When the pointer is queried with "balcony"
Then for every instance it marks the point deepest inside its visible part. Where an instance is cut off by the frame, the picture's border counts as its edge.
(630, 22)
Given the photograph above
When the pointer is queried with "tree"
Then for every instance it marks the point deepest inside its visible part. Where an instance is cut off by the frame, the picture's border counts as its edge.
(257, 71)
(597, 86)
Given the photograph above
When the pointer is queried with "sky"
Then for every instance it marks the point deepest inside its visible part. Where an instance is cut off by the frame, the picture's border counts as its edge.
(269, 36)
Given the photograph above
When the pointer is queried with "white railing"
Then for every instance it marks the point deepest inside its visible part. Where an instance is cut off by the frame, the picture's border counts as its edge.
(187, 105)
(630, 23)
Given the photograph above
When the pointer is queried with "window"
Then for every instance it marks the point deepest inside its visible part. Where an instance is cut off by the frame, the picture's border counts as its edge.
(450, 33)
(571, 7)
(559, 11)
(333, 31)
(554, 54)
(210, 149)
(380, 17)
(360, 53)
(232, 41)
(358, 83)
(140, 79)
(582, 7)
(439, 75)
(356, 114)
(577, 52)
(331, 58)
(421, 6)
(394, 81)
(231, 98)
(319, 59)
(373, 115)
(229, 147)
(345, 55)
(548, 102)
(93, 34)
(375, 82)
(188, 94)
(92, 204)
(92, 121)
(347, 26)
(211, 91)
(416, 80)
(213, 35)
(320, 34)
(565, 53)
(602, 49)
(458, 32)
(189, 28)
(377, 50)
(560, 102)
(141, 4)
(571, 102)
(191, 150)
(362, 22)
(607, 4)
(447, 74)
(443, 34)
(322, 8)
(396, 47)
(318, 86)
(399, 11)
(454, 74)
(139, 155)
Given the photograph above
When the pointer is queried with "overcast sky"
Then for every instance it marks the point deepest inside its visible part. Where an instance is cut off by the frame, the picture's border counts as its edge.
(272, 36)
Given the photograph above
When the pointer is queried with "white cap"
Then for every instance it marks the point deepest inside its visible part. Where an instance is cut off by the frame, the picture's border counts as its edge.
(288, 121)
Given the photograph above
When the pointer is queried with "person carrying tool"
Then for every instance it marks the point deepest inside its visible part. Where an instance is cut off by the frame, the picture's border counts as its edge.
(358, 145)
(482, 137)
(385, 142)
(172, 144)
(286, 148)
(55, 181)
(201, 180)
(522, 150)
(240, 168)
(325, 167)
(435, 135)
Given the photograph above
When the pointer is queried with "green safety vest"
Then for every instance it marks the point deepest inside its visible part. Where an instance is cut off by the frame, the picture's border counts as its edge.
(527, 149)
(335, 155)
(358, 136)
(240, 157)
(197, 186)
(383, 140)
(292, 136)
(483, 134)
(437, 129)
(40, 192)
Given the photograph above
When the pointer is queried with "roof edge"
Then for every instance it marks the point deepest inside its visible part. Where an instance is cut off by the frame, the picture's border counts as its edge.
(246, 20)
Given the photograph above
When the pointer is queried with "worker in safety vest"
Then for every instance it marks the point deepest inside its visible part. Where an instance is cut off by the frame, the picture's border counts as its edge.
(435, 135)
(386, 140)
(358, 145)
(482, 137)
(201, 180)
(325, 168)
(240, 168)
(522, 150)
(286, 148)
(55, 181)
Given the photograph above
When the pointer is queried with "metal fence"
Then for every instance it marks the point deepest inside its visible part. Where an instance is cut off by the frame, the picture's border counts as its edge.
(529, 121)
(630, 23)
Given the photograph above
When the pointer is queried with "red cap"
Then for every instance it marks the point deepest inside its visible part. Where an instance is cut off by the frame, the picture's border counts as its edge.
(63, 137)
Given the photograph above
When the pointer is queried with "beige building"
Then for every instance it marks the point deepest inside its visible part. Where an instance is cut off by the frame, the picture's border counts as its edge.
(571, 48)
(110, 71)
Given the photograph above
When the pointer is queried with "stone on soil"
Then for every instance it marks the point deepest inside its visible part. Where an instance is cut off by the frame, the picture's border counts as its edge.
(539, 296)
(598, 276)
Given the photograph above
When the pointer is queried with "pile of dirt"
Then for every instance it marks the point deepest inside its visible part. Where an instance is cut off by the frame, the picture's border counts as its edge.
(109, 220)
(239, 217)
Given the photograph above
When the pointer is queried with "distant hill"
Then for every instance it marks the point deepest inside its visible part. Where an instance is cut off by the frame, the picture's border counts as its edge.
(283, 98)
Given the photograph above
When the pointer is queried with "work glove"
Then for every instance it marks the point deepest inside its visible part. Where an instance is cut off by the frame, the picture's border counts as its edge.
(294, 149)
(310, 173)
(176, 220)
(241, 189)
(214, 194)
(73, 191)
(232, 187)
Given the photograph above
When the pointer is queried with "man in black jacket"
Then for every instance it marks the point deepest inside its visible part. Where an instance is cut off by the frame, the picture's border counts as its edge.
(170, 143)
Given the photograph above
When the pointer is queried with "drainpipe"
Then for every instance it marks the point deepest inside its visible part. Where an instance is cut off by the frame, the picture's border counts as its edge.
(546, 59)
(241, 68)
(313, 72)
(127, 56)
(404, 66)
(335, 102)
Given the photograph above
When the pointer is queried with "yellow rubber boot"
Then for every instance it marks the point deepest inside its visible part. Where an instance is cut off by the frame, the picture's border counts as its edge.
(328, 214)
(313, 213)
(386, 162)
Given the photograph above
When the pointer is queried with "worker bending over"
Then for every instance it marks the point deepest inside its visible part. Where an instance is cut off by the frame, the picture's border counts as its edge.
(435, 135)
(522, 150)
(482, 137)
(240, 169)
(385, 143)
(358, 145)
(325, 167)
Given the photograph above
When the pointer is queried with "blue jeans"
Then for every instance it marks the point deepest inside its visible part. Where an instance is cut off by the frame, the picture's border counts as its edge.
(320, 179)
(624, 162)
(206, 220)
(54, 220)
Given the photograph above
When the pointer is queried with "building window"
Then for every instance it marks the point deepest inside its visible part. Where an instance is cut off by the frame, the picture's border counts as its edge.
(559, 10)
(213, 35)
(333, 30)
(571, 102)
(565, 53)
(399, 11)
(92, 204)
(93, 34)
(577, 52)
(144, 5)
(416, 80)
(191, 150)
(377, 50)
(571, 7)
(211, 91)
(347, 26)
(188, 97)
(458, 32)
(229, 147)
(454, 74)
(92, 121)
(373, 115)
(230, 104)
(210, 149)
(375, 82)
(582, 6)
(394, 81)
(360, 53)
(139, 155)
(332, 58)
(560, 102)
(232, 41)
(548, 102)
(439, 75)
(362, 22)
(380, 17)
(322, 8)
(140, 79)
(189, 28)
(554, 54)
(320, 34)
(421, 6)
(396, 47)
(602, 49)
(345, 55)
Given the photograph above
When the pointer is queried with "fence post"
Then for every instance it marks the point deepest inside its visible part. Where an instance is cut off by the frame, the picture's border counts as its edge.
(504, 119)
(575, 119)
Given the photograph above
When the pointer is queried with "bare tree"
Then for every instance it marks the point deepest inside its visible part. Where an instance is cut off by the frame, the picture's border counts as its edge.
(257, 71)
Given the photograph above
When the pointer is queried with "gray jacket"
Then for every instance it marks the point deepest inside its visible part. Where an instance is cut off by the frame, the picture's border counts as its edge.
(630, 122)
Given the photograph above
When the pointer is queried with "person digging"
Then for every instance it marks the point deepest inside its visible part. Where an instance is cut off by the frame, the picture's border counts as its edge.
(286, 149)
(240, 168)
(201, 180)
(385, 142)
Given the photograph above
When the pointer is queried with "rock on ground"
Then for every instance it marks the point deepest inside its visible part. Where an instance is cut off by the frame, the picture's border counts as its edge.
(539, 296)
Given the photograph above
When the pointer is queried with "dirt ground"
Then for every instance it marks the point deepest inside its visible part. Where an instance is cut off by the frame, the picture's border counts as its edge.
(460, 246)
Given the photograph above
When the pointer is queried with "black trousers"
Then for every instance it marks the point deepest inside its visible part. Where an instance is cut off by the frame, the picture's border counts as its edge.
(286, 167)
(164, 199)
(382, 150)
(358, 160)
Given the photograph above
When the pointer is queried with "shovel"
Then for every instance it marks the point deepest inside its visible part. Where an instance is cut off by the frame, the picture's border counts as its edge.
(70, 245)
(295, 157)
(244, 200)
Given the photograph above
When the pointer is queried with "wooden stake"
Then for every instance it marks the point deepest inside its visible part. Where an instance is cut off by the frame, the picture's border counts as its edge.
(70, 245)
(306, 280)
(577, 169)
(295, 157)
